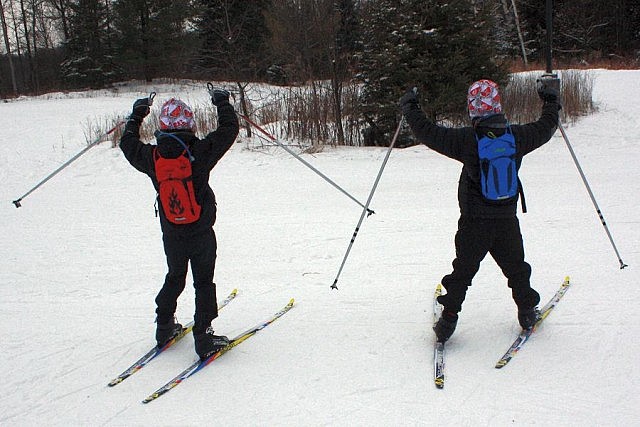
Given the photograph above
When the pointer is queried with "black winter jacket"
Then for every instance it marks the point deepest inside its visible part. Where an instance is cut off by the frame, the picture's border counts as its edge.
(207, 152)
(461, 144)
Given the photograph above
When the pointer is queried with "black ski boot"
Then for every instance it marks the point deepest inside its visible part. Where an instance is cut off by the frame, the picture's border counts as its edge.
(446, 325)
(166, 331)
(208, 343)
(528, 317)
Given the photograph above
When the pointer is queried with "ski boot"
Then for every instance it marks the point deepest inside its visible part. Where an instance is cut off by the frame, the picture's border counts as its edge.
(445, 326)
(207, 343)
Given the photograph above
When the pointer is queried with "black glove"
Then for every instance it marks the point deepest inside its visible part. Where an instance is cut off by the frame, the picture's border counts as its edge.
(218, 96)
(409, 101)
(141, 109)
(410, 97)
(548, 89)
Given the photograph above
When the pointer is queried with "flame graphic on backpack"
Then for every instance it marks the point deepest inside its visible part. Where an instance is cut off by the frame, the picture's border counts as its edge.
(175, 183)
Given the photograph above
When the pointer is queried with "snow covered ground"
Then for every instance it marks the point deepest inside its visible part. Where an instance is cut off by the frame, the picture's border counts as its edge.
(82, 262)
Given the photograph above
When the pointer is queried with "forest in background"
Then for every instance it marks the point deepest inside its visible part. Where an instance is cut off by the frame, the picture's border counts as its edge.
(356, 56)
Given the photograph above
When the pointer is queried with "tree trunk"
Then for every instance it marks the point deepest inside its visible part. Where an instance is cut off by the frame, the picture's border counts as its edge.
(5, 33)
(336, 87)
(243, 106)
(524, 52)
(34, 35)
(29, 58)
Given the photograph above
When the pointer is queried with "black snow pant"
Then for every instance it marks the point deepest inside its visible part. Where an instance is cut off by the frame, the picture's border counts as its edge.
(501, 238)
(200, 250)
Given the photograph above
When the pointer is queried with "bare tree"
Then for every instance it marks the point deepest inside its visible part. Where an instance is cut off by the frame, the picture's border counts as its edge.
(5, 33)
(26, 35)
(233, 37)
(61, 8)
(315, 40)
(516, 18)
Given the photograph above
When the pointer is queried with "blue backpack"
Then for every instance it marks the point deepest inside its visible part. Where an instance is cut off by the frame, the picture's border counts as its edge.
(498, 170)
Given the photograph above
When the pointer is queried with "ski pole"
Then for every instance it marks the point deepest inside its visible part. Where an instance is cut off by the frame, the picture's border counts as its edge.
(67, 163)
(593, 199)
(549, 73)
(307, 164)
(97, 141)
(364, 211)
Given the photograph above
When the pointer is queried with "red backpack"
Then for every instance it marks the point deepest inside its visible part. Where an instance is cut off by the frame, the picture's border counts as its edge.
(176, 188)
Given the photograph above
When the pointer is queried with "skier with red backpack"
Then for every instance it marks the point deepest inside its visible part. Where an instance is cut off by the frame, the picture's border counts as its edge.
(179, 165)
(491, 152)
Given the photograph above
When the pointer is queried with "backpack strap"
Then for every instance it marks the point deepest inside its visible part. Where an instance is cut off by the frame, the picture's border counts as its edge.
(491, 135)
(157, 155)
(523, 202)
(186, 148)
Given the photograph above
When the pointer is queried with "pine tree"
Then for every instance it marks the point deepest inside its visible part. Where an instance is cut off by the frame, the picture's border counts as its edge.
(152, 37)
(233, 36)
(582, 34)
(440, 47)
(89, 60)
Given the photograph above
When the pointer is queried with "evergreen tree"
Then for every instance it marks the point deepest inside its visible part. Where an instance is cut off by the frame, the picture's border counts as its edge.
(233, 39)
(152, 37)
(578, 30)
(508, 32)
(438, 46)
(580, 34)
(89, 60)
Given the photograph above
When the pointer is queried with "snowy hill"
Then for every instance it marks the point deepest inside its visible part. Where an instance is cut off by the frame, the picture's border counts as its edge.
(82, 262)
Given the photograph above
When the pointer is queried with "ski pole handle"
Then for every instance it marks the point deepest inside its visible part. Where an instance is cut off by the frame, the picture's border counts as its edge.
(210, 89)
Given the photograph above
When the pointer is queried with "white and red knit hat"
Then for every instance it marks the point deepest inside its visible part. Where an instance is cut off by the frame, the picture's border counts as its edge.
(483, 99)
(175, 114)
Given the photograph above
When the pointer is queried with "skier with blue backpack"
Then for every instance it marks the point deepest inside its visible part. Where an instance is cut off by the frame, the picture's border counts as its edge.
(491, 151)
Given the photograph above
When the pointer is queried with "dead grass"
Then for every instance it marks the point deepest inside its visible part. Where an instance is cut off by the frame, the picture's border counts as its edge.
(305, 114)
(522, 103)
